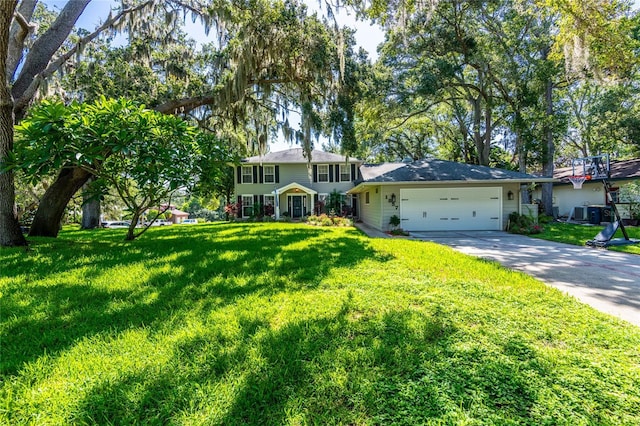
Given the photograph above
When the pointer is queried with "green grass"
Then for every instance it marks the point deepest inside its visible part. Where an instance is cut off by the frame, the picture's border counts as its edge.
(291, 324)
(579, 234)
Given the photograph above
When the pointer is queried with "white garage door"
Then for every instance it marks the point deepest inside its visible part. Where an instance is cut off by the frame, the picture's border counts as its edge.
(451, 209)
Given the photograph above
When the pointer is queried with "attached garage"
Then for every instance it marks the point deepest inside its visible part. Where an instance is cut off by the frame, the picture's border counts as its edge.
(438, 195)
(451, 209)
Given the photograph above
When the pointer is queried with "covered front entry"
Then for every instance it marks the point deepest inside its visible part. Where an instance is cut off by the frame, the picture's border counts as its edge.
(293, 200)
(451, 209)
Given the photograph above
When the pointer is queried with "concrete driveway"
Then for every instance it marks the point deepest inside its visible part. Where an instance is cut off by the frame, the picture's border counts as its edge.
(607, 280)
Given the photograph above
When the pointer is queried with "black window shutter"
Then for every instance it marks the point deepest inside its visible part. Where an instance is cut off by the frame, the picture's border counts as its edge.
(255, 174)
(337, 169)
(239, 174)
(353, 172)
(330, 172)
(261, 199)
(261, 174)
(315, 173)
(277, 174)
(240, 206)
(255, 199)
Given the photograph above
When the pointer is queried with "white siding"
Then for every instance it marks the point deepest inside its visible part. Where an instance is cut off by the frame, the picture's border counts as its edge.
(290, 173)
(380, 210)
(371, 213)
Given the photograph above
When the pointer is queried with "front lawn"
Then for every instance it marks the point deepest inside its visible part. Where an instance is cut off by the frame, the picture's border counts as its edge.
(575, 234)
(292, 324)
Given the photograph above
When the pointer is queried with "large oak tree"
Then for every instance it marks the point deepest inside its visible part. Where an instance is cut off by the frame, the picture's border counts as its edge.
(270, 57)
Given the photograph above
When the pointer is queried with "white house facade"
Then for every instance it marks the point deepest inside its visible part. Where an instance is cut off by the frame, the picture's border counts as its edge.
(426, 195)
(437, 195)
(287, 183)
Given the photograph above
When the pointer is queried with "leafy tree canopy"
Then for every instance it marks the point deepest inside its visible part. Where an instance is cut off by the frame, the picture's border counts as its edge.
(144, 155)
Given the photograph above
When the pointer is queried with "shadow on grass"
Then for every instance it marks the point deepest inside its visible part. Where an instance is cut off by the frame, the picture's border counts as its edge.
(400, 367)
(86, 285)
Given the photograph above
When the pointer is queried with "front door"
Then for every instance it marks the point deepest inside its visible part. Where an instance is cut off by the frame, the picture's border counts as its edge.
(296, 206)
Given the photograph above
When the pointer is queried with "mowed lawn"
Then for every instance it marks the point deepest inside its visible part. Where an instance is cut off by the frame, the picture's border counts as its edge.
(291, 324)
(575, 234)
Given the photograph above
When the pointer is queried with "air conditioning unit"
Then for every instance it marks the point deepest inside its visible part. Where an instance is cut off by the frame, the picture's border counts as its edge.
(580, 213)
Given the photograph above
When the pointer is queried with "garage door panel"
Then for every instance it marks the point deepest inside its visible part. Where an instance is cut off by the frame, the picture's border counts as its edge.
(437, 209)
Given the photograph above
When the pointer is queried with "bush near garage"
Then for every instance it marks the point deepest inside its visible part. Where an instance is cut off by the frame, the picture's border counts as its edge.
(523, 224)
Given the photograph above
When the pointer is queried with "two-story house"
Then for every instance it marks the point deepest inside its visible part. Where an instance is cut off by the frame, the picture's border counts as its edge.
(291, 185)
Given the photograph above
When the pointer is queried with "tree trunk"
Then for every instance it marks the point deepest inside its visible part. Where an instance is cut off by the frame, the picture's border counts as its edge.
(550, 148)
(521, 151)
(10, 233)
(485, 155)
(43, 50)
(90, 208)
(46, 222)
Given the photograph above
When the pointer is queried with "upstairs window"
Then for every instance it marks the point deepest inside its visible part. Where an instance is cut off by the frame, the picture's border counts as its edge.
(345, 172)
(269, 174)
(247, 174)
(323, 173)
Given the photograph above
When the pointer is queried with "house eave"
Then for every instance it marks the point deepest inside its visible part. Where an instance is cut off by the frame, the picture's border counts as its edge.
(363, 185)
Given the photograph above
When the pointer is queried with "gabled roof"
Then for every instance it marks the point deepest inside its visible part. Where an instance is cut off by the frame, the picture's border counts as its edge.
(296, 156)
(624, 169)
(433, 170)
(295, 185)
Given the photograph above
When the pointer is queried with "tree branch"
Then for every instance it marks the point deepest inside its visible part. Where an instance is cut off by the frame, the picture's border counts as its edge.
(24, 91)
(18, 34)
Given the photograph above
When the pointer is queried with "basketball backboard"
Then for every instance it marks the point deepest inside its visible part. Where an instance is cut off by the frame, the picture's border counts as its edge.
(596, 167)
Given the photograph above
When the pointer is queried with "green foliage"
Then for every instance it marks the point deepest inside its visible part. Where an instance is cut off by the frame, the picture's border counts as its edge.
(334, 203)
(144, 155)
(630, 193)
(328, 220)
(394, 220)
(291, 324)
(523, 224)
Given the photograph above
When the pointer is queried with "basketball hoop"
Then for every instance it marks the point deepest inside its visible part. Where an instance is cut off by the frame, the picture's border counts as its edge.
(577, 181)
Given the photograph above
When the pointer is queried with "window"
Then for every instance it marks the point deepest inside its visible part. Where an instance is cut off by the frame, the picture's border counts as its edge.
(345, 172)
(366, 197)
(269, 174)
(614, 193)
(247, 174)
(323, 173)
(247, 205)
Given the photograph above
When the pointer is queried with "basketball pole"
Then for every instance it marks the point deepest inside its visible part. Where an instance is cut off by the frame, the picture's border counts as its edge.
(607, 189)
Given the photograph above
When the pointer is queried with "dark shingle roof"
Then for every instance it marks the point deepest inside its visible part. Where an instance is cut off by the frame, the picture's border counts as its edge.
(296, 155)
(432, 170)
(624, 169)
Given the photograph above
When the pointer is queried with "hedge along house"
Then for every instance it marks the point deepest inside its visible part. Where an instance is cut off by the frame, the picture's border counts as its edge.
(438, 195)
(289, 184)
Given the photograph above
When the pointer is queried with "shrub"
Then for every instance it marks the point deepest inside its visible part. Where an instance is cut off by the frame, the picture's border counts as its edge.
(523, 224)
(326, 220)
(544, 218)
(394, 221)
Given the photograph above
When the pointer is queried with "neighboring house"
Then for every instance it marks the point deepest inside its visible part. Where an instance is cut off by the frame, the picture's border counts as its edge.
(175, 216)
(286, 183)
(437, 195)
(572, 202)
(178, 216)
